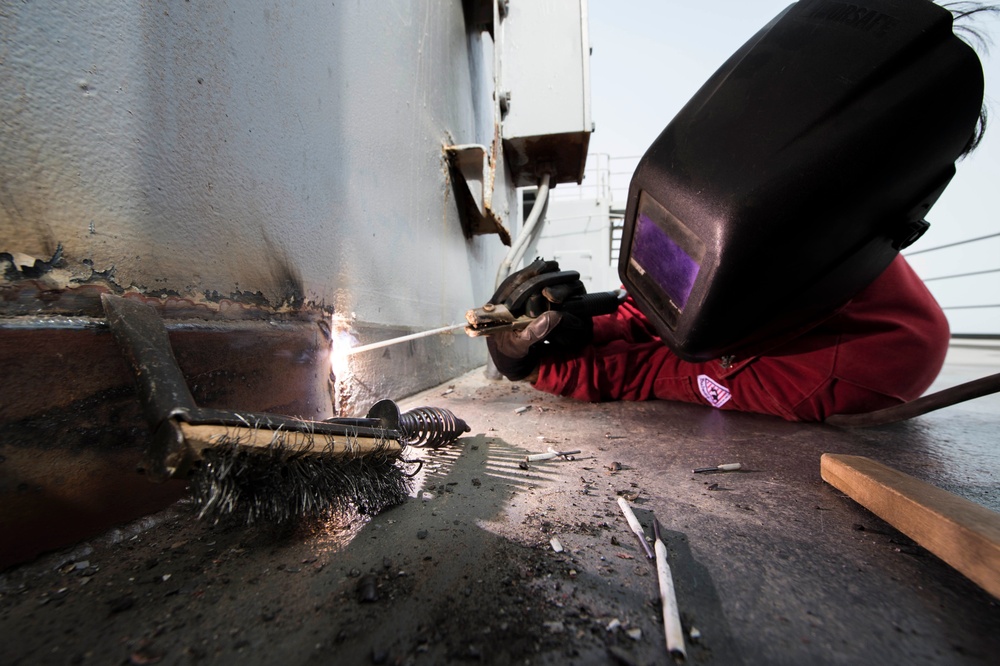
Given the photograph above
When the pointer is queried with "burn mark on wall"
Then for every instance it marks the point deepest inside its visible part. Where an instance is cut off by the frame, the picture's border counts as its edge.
(285, 276)
(289, 283)
(107, 274)
(59, 285)
(13, 271)
(246, 297)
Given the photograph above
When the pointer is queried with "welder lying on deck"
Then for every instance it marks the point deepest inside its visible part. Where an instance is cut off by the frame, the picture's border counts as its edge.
(882, 348)
(762, 228)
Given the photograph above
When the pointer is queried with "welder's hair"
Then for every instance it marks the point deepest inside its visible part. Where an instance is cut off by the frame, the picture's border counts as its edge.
(962, 13)
(977, 133)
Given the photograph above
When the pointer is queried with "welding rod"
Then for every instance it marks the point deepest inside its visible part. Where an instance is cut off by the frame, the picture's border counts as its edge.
(672, 630)
(728, 467)
(550, 454)
(402, 338)
(633, 523)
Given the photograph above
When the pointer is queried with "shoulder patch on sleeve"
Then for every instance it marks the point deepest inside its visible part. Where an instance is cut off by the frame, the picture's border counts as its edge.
(715, 393)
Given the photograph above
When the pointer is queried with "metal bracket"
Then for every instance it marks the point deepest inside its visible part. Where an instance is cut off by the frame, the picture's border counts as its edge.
(473, 173)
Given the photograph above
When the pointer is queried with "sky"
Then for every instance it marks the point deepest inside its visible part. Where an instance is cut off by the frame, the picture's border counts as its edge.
(650, 56)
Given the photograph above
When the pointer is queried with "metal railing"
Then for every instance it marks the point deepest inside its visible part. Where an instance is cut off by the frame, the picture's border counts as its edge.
(606, 178)
(955, 244)
(964, 274)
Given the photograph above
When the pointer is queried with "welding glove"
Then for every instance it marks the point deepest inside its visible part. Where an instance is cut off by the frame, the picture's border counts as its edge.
(516, 354)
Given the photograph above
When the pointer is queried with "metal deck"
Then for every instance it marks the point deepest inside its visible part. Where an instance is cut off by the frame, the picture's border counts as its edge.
(772, 565)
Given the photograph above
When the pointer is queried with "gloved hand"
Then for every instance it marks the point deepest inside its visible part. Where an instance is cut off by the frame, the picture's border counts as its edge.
(516, 353)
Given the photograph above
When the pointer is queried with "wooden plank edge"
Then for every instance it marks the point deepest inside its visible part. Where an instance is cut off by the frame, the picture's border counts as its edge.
(962, 533)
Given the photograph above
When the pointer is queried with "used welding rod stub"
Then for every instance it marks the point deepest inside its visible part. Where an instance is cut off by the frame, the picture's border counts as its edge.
(672, 630)
(728, 467)
(636, 527)
(536, 457)
(550, 454)
(568, 455)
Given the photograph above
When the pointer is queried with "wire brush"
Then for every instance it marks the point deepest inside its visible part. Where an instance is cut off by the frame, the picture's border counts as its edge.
(266, 466)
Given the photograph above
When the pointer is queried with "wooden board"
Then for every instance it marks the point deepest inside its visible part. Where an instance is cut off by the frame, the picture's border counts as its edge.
(964, 534)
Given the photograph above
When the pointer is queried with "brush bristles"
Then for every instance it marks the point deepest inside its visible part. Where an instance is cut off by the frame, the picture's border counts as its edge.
(278, 483)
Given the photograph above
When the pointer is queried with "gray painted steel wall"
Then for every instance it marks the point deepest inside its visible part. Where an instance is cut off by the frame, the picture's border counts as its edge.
(251, 146)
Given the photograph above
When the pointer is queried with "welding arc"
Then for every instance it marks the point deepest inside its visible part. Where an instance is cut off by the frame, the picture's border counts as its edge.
(402, 338)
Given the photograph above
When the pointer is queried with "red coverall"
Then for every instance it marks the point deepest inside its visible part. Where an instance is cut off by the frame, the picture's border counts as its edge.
(882, 348)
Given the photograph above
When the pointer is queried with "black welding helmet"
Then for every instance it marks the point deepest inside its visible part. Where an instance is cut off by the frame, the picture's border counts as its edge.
(795, 175)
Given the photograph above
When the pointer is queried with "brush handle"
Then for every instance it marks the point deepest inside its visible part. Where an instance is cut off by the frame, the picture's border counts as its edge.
(142, 337)
(207, 436)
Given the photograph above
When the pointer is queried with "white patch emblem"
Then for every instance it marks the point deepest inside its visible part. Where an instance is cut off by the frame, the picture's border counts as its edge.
(716, 394)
